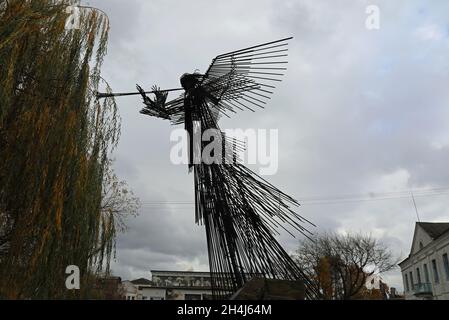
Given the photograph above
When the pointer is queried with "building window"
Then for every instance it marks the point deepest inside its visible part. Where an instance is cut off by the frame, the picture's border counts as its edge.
(426, 273)
(407, 287)
(446, 265)
(435, 271)
(421, 246)
(412, 283)
(418, 274)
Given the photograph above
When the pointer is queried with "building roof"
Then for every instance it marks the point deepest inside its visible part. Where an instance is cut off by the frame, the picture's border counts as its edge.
(198, 273)
(434, 230)
(142, 281)
(205, 288)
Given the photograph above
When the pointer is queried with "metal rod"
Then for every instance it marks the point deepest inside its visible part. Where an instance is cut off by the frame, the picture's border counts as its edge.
(254, 47)
(110, 95)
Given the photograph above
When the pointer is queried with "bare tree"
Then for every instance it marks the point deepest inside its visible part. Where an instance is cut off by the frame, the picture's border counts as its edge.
(118, 200)
(340, 265)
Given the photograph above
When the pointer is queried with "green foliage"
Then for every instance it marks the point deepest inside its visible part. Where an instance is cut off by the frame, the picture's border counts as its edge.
(55, 143)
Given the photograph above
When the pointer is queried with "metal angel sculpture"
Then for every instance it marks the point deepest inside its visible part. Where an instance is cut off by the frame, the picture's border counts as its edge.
(241, 212)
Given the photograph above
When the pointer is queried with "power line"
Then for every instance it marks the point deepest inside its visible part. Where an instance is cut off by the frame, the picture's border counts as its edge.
(337, 199)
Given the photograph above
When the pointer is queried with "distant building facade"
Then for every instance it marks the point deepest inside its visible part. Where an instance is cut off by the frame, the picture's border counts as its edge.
(425, 272)
(170, 285)
(376, 286)
(108, 288)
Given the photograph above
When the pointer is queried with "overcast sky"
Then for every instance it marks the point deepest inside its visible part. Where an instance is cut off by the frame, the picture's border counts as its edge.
(359, 112)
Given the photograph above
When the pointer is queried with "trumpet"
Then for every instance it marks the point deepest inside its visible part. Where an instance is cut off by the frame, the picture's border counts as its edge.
(101, 95)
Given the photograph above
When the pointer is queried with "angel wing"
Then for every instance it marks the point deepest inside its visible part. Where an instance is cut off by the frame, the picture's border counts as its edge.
(241, 79)
(244, 79)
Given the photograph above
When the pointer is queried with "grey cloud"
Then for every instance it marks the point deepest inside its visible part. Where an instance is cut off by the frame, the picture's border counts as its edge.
(358, 112)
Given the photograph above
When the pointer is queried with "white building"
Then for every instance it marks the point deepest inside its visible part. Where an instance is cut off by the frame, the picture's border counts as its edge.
(170, 285)
(426, 271)
(130, 291)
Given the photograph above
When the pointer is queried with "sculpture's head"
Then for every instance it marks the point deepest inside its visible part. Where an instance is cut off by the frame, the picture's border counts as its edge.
(190, 80)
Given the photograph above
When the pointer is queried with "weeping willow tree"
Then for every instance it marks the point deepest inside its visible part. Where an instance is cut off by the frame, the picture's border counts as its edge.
(55, 146)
